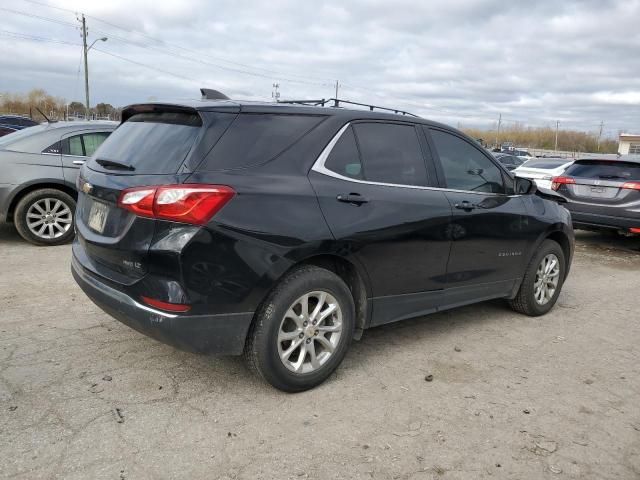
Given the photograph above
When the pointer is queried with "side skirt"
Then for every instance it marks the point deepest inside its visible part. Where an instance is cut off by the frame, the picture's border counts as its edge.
(401, 307)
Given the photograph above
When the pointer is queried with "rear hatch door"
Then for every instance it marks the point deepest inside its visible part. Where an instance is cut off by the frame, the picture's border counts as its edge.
(603, 186)
(154, 145)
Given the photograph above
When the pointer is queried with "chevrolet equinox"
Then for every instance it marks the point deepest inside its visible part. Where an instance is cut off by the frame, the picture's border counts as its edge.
(282, 231)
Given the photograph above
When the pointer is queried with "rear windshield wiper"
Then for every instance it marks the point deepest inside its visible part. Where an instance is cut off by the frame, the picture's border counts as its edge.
(110, 164)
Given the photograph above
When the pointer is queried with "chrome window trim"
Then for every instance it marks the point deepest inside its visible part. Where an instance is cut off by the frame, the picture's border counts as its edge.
(319, 166)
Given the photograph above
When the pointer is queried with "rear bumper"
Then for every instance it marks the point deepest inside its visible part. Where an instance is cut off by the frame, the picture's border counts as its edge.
(209, 334)
(594, 220)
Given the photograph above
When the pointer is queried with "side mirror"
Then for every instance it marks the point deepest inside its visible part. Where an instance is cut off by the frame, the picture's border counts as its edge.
(524, 186)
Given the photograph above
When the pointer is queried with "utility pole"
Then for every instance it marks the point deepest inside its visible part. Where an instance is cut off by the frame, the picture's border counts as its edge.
(600, 133)
(275, 93)
(335, 102)
(498, 131)
(86, 66)
(557, 126)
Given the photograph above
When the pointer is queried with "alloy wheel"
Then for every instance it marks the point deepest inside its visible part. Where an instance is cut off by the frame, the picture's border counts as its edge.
(49, 218)
(547, 277)
(310, 332)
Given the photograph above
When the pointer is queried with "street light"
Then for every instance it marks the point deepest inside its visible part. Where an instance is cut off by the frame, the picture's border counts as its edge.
(103, 39)
(86, 65)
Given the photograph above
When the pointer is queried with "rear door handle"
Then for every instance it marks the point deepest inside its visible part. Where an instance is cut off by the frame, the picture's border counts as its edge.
(353, 198)
(78, 162)
(466, 206)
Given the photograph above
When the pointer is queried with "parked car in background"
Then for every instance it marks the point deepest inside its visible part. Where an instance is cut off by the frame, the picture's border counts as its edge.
(510, 162)
(38, 170)
(542, 170)
(281, 232)
(602, 194)
(6, 130)
(17, 122)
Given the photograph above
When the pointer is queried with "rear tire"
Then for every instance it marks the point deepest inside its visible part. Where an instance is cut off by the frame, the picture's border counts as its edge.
(538, 293)
(284, 345)
(45, 217)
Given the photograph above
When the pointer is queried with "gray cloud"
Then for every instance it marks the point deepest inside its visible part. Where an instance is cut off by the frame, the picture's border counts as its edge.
(455, 61)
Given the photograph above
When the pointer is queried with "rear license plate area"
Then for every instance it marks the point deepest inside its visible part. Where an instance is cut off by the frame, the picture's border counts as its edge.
(98, 216)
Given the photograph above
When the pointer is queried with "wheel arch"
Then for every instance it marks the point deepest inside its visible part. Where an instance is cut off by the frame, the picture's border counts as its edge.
(30, 187)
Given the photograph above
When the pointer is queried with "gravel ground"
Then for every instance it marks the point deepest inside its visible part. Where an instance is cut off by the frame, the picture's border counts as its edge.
(82, 396)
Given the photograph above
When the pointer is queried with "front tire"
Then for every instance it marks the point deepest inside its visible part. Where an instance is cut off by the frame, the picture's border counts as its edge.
(302, 331)
(45, 217)
(542, 281)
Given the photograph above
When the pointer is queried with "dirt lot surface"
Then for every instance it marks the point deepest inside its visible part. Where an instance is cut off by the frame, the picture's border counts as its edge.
(84, 397)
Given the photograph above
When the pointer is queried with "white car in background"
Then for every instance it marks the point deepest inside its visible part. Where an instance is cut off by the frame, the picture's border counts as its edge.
(542, 170)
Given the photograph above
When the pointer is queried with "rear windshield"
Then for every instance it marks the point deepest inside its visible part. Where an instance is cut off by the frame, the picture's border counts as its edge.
(256, 138)
(151, 143)
(614, 170)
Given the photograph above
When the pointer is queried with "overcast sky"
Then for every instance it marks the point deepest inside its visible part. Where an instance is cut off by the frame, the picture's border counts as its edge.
(458, 61)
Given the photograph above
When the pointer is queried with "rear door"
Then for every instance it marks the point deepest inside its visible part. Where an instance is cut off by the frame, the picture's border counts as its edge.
(488, 221)
(76, 147)
(148, 149)
(373, 186)
(604, 187)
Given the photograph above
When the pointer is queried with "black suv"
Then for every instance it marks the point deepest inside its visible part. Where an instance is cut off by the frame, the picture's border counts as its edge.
(281, 232)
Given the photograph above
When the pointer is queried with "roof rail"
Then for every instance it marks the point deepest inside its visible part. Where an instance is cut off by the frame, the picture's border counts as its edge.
(335, 102)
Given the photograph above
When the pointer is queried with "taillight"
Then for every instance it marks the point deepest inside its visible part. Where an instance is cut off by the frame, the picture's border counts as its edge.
(557, 181)
(634, 230)
(170, 307)
(631, 185)
(189, 203)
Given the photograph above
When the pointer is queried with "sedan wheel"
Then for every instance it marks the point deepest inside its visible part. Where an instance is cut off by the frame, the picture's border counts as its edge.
(49, 218)
(45, 217)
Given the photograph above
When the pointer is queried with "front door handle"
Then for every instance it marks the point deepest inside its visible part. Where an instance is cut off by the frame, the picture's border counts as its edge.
(353, 198)
(466, 206)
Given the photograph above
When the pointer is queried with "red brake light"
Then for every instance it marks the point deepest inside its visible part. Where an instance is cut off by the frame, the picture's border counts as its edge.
(634, 230)
(170, 307)
(631, 185)
(188, 203)
(557, 181)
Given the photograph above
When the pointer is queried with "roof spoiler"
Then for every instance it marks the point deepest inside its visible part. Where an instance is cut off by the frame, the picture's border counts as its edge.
(211, 94)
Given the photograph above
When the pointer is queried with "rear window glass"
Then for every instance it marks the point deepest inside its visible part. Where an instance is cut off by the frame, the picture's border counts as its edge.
(257, 138)
(605, 170)
(344, 158)
(152, 143)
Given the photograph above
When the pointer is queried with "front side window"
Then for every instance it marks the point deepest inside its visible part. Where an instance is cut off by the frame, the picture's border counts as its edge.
(464, 166)
(344, 158)
(391, 153)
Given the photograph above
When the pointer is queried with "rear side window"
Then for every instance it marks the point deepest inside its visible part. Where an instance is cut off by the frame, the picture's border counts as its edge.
(75, 146)
(255, 138)
(92, 141)
(464, 166)
(604, 170)
(152, 143)
(391, 153)
(344, 158)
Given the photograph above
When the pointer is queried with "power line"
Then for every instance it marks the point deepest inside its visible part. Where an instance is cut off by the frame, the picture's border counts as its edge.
(280, 75)
(143, 64)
